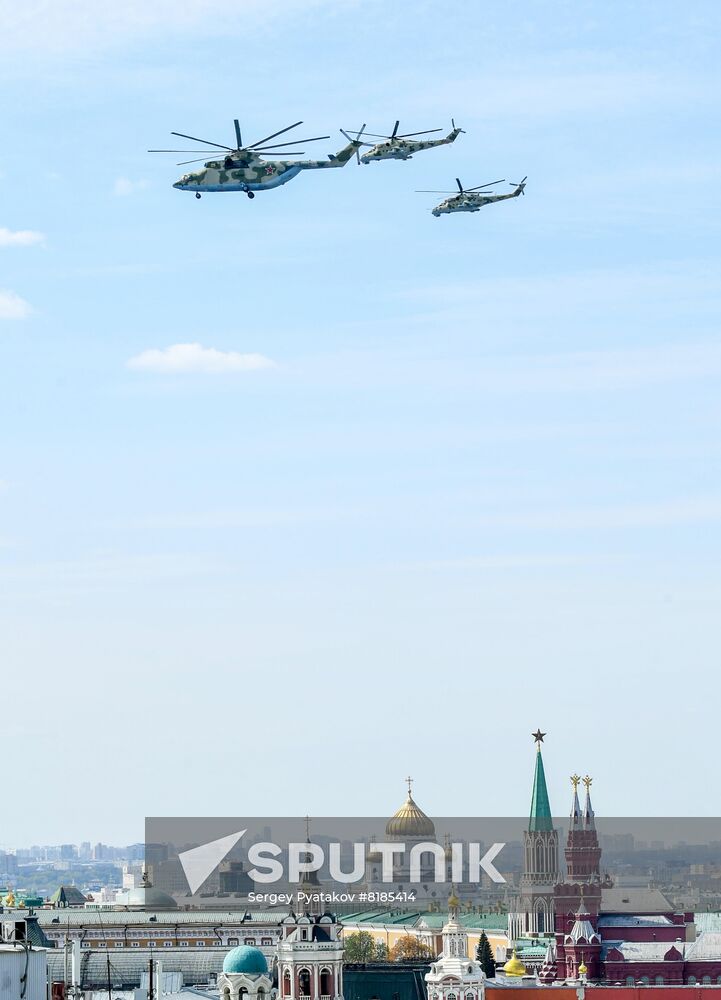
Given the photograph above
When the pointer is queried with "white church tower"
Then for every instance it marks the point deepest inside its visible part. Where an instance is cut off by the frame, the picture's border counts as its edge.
(310, 958)
(455, 976)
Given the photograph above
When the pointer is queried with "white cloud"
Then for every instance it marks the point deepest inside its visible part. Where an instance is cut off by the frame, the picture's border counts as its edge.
(13, 307)
(20, 238)
(123, 186)
(182, 358)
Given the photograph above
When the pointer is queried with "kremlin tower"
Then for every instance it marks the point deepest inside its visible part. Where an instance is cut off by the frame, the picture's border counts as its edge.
(535, 906)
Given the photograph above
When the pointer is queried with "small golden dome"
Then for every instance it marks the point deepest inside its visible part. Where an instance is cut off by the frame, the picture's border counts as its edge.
(514, 966)
(582, 970)
(410, 821)
(10, 899)
(453, 901)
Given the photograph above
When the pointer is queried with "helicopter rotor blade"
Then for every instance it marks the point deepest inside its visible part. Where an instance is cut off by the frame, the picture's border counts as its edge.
(238, 139)
(203, 159)
(395, 130)
(372, 135)
(277, 145)
(407, 135)
(205, 142)
(206, 151)
(460, 186)
(490, 184)
(435, 192)
(260, 142)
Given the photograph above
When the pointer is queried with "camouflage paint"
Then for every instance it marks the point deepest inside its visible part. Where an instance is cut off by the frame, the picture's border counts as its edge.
(403, 149)
(256, 174)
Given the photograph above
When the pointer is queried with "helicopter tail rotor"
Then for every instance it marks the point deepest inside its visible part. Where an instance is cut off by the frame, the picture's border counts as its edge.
(520, 185)
(454, 128)
(357, 142)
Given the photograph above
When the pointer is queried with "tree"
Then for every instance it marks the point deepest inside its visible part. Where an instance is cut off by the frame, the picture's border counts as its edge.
(484, 956)
(410, 949)
(361, 947)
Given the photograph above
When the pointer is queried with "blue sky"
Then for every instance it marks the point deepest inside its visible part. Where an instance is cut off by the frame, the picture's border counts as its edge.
(467, 485)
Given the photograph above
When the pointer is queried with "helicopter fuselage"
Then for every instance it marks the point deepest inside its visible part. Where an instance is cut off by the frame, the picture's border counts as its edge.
(253, 173)
(470, 202)
(403, 149)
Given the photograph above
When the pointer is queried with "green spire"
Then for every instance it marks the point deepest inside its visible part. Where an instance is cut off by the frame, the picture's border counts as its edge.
(541, 818)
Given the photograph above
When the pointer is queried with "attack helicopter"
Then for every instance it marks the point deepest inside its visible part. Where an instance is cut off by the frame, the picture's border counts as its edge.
(473, 199)
(243, 168)
(402, 147)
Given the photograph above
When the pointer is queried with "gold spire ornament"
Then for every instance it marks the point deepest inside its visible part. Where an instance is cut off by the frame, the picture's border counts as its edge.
(575, 781)
(588, 782)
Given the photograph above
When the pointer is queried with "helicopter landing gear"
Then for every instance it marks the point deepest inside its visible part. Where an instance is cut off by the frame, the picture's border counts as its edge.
(251, 194)
(197, 194)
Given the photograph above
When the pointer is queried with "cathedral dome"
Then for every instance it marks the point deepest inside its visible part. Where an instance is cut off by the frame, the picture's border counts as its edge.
(514, 966)
(250, 961)
(410, 821)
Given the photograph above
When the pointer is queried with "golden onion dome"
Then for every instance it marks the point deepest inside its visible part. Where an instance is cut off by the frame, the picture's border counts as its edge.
(582, 970)
(514, 966)
(410, 821)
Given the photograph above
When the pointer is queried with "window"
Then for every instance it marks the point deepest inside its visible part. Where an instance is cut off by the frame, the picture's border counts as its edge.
(691, 981)
(218, 944)
(644, 980)
(659, 980)
(630, 981)
(151, 944)
(233, 941)
(249, 941)
(118, 944)
(200, 944)
(84, 944)
(266, 941)
(102, 944)
(167, 944)
(706, 980)
(183, 944)
(135, 944)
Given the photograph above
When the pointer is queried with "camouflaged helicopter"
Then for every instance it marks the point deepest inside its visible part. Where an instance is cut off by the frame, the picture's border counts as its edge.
(243, 168)
(401, 147)
(473, 199)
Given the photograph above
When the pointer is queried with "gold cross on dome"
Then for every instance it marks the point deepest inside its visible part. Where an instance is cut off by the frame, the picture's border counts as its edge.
(575, 781)
(588, 781)
(409, 781)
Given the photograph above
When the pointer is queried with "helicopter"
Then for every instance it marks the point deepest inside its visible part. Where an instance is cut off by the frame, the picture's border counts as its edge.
(401, 147)
(473, 199)
(242, 168)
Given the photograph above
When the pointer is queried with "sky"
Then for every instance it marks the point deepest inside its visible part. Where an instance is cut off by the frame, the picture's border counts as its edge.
(302, 494)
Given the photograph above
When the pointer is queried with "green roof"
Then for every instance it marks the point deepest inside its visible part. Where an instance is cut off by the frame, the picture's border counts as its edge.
(540, 818)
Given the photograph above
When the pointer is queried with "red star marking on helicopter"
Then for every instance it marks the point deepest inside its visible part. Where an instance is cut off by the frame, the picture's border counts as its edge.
(269, 169)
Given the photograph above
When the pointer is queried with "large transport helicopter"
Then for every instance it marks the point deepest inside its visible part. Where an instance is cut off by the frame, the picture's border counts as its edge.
(243, 168)
(402, 147)
(473, 199)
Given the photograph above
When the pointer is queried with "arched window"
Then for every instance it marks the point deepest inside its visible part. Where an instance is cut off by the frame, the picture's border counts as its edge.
(304, 982)
(286, 983)
(630, 981)
(706, 980)
(326, 983)
(659, 980)
(691, 981)
(718, 980)
(644, 980)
